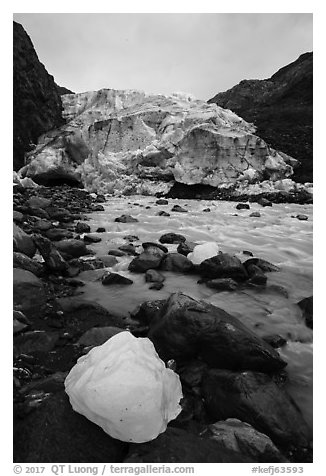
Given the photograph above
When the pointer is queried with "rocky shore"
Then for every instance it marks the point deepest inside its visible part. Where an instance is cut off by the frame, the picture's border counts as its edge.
(235, 407)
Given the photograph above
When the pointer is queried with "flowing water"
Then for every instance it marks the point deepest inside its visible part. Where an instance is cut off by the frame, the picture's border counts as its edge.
(276, 236)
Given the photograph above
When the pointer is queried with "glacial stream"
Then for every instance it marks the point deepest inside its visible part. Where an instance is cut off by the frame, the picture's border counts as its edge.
(275, 236)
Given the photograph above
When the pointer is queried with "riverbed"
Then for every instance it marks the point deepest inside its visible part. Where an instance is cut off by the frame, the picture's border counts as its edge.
(276, 236)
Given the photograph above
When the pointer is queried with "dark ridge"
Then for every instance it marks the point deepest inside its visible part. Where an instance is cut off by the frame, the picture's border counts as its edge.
(281, 107)
(37, 106)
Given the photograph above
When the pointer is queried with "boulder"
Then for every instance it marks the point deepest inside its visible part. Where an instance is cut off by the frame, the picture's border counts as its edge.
(38, 202)
(223, 284)
(186, 329)
(52, 258)
(264, 202)
(92, 238)
(54, 432)
(253, 397)
(148, 311)
(150, 259)
(28, 290)
(153, 276)
(178, 208)
(114, 278)
(108, 261)
(186, 247)
(82, 228)
(72, 247)
(180, 446)
(256, 274)
(126, 219)
(223, 266)
(17, 216)
(176, 262)
(24, 262)
(57, 234)
(149, 244)
(264, 265)
(100, 229)
(23, 243)
(162, 213)
(162, 201)
(42, 225)
(302, 217)
(243, 438)
(172, 238)
(243, 206)
(306, 305)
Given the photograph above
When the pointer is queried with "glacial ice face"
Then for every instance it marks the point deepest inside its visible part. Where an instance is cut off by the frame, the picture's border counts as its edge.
(124, 387)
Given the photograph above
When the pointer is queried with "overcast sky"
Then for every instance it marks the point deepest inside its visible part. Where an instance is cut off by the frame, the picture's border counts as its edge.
(199, 53)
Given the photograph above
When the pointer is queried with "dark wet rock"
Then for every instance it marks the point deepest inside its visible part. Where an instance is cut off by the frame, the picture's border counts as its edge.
(256, 275)
(242, 438)
(148, 311)
(100, 229)
(42, 225)
(255, 398)
(54, 432)
(20, 316)
(24, 262)
(51, 384)
(176, 262)
(96, 208)
(255, 215)
(129, 249)
(72, 247)
(32, 341)
(82, 228)
(179, 446)
(17, 216)
(116, 253)
(108, 261)
(306, 305)
(153, 276)
(223, 284)
(98, 335)
(150, 244)
(156, 286)
(275, 341)
(150, 259)
(264, 265)
(223, 265)
(264, 202)
(28, 290)
(243, 206)
(52, 257)
(249, 253)
(92, 238)
(82, 314)
(131, 238)
(206, 210)
(179, 209)
(114, 278)
(302, 217)
(186, 247)
(162, 201)
(126, 219)
(162, 213)
(60, 214)
(22, 242)
(18, 326)
(192, 372)
(38, 212)
(172, 238)
(38, 202)
(57, 234)
(187, 329)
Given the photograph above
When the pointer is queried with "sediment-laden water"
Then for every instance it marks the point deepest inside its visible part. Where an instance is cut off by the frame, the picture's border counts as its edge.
(276, 236)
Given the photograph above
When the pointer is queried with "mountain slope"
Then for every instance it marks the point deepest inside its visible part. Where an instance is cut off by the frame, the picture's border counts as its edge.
(281, 108)
(37, 106)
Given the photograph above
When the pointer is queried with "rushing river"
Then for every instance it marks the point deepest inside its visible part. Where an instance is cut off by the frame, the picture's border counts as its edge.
(276, 236)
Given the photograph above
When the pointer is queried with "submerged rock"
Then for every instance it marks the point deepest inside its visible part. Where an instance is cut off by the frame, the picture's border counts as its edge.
(185, 329)
(115, 278)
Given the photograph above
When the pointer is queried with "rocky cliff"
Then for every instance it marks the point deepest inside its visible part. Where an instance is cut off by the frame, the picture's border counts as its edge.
(281, 107)
(127, 140)
(37, 105)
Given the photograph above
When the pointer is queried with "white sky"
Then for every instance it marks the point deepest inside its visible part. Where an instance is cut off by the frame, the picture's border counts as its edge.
(199, 53)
